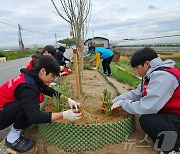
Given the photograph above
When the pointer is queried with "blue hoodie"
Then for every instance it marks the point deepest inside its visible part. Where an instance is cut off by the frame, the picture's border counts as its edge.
(105, 53)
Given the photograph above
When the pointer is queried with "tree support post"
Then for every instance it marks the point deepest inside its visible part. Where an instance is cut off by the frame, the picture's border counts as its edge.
(76, 72)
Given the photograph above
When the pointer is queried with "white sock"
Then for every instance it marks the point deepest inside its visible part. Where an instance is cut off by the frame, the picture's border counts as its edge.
(13, 135)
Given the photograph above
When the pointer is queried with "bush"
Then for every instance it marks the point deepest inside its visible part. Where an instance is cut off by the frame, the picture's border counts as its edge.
(17, 54)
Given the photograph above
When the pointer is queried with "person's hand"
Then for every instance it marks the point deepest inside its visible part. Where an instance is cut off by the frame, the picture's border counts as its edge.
(70, 70)
(95, 68)
(64, 74)
(116, 105)
(61, 68)
(73, 104)
(90, 61)
(67, 62)
(70, 115)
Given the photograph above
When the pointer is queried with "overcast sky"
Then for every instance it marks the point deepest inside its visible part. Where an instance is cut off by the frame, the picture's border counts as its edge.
(112, 19)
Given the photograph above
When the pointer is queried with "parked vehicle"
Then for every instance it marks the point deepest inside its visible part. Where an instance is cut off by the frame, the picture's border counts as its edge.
(8, 50)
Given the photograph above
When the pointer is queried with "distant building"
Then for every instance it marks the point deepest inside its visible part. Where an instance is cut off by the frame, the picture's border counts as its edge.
(98, 41)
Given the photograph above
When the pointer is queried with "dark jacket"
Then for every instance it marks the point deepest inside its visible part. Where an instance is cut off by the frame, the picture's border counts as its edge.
(28, 94)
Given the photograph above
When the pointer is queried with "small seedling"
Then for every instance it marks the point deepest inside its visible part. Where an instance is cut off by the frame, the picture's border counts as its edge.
(106, 102)
(59, 103)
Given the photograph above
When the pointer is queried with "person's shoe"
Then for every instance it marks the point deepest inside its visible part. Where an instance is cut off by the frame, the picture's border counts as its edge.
(109, 74)
(169, 152)
(21, 144)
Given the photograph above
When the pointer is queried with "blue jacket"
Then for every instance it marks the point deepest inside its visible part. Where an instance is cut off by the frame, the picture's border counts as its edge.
(105, 53)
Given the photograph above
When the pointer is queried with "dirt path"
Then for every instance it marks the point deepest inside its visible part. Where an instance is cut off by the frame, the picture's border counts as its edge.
(93, 85)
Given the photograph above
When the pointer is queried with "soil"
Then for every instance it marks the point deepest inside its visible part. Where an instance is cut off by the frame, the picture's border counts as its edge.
(93, 86)
(90, 100)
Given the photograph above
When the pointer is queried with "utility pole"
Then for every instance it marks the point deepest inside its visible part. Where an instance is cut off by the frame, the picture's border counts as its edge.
(21, 45)
(56, 40)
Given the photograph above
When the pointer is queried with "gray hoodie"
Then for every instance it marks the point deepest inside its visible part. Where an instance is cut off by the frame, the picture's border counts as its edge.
(159, 90)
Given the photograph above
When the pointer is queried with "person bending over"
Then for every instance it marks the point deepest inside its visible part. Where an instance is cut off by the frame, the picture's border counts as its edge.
(156, 99)
(20, 98)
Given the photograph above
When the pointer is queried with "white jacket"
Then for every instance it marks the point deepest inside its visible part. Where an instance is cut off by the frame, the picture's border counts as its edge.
(159, 90)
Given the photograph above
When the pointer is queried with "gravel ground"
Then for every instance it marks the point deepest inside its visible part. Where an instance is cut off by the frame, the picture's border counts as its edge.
(3, 134)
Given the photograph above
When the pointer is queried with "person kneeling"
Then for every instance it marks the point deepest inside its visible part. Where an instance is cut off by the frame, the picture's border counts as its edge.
(20, 98)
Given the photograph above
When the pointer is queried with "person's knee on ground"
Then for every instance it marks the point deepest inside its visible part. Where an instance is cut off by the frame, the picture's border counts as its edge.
(147, 126)
(159, 129)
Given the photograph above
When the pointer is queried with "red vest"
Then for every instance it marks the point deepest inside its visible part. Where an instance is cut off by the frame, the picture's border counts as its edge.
(173, 104)
(30, 65)
(7, 90)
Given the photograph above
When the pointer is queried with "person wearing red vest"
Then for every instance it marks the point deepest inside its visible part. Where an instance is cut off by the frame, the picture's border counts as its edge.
(48, 50)
(156, 99)
(63, 61)
(20, 98)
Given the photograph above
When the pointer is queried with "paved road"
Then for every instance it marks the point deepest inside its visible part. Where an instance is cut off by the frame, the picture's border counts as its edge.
(8, 70)
(11, 68)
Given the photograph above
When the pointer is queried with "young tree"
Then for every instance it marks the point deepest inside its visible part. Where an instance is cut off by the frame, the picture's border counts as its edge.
(76, 13)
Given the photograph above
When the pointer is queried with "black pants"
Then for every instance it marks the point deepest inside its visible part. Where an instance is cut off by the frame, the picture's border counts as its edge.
(106, 63)
(13, 113)
(163, 129)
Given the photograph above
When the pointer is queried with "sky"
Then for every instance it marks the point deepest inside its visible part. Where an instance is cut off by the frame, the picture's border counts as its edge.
(116, 20)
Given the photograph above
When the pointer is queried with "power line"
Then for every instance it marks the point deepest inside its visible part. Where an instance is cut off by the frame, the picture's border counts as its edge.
(25, 29)
(8, 24)
(152, 38)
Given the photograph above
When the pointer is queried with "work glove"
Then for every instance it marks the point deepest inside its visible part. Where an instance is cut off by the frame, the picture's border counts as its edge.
(95, 68)
(116, 105)
(67, 62)
(73, 104)
(61, 68)
(64, 74)
(70, 115)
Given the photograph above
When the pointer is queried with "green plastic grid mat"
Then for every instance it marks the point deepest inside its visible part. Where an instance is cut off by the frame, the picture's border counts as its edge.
(85, 137)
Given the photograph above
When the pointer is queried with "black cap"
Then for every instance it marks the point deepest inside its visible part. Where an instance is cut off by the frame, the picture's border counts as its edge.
(50, 49)
(62, 49)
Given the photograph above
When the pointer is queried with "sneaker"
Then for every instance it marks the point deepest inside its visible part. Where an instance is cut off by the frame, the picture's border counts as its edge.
(109, 74)
(168, 152)
(21, 144)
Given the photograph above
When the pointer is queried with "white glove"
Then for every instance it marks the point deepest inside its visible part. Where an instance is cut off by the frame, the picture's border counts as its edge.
(52, 84)
(61, 68)
(67, 62)
(116, 105)
(63, 73)
(70, 115)
(95, 68)
(73, 105)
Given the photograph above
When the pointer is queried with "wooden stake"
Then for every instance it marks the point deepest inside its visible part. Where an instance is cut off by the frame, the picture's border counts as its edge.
(76, 72)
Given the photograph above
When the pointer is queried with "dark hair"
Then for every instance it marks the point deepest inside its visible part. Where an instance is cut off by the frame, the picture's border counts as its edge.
(59, 57)
(143, 55)
(91, 49)
(49, 64)
(50, 49)
(62, 49)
